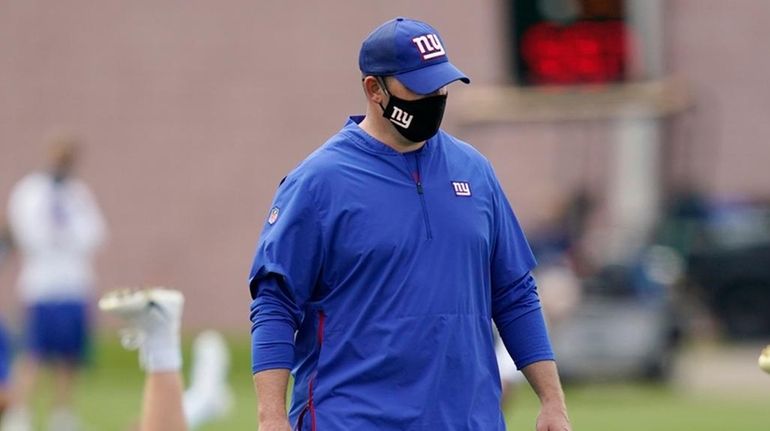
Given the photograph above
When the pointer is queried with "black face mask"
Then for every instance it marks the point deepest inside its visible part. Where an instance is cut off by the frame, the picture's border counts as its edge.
(416, 120)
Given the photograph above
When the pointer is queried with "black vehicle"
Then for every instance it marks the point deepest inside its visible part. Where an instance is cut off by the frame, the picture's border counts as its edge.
(731, 269)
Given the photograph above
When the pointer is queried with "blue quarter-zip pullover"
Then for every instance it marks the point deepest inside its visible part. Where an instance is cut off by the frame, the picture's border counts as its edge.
(376, 280)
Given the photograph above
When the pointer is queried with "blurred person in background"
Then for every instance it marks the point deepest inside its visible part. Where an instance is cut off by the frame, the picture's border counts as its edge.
(57, 228)
(561, 248)
(5, 348)
(562, 242)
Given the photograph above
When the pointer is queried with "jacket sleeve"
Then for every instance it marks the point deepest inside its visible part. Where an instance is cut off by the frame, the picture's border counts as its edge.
(284, 273)
(519, 319)
(516, 308)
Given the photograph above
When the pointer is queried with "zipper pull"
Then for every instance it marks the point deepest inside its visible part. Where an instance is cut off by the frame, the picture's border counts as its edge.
(419, 188)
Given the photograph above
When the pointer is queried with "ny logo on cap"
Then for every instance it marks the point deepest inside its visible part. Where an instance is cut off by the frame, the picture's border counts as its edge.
(429, 46)
(401, 117)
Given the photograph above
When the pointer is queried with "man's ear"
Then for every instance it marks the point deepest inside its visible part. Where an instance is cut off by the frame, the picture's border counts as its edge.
(373, 89)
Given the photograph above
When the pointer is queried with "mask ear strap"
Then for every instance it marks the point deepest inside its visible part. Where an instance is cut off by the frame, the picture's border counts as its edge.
(381, 81)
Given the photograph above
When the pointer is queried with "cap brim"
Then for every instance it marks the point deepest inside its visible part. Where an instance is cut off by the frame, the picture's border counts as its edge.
(431, 78)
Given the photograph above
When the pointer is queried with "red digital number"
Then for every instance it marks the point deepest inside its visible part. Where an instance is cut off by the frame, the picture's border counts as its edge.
(582, 53)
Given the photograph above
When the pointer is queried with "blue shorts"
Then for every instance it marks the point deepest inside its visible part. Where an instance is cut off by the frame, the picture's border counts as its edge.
(58, 331)
(5, 356)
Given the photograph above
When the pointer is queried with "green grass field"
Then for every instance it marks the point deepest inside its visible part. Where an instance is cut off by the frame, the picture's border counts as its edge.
(109, 399)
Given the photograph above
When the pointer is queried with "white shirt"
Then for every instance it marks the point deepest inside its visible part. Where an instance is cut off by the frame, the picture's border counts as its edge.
(57, 227)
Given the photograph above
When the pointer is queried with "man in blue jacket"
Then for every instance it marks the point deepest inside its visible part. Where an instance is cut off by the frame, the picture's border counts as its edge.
(385, 258)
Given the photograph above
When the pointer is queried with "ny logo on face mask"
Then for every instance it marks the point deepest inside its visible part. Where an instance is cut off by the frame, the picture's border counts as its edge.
(429, 46)
(401, 117)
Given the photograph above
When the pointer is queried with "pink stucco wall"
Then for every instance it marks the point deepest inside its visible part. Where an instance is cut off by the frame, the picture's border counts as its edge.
(193, 110)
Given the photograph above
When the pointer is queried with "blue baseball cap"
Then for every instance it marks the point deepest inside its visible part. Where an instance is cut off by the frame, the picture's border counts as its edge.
(412, 52)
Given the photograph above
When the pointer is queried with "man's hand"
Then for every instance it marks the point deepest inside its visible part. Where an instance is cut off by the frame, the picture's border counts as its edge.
(552, 418)
(545, 381)
(274, 425)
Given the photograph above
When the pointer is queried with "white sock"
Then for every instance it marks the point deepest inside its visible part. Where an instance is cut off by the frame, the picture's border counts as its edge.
(161, 350)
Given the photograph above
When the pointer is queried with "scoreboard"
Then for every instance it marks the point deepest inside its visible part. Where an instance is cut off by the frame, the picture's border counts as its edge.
(570, 42)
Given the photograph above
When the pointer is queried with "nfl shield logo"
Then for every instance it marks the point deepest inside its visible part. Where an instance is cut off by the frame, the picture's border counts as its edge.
(273, 215)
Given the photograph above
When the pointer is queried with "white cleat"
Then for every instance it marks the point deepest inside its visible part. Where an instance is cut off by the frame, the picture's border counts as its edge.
(154, 317)
(16, 419)
(130, 304)
(64, 420)
(209, 397)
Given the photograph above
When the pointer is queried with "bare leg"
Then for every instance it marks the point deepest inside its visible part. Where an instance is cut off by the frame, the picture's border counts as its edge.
(3, 402)
(62, 417)
(65, 375)
(162, 406)
(509, 393)
(16, 415)
(26, 375)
